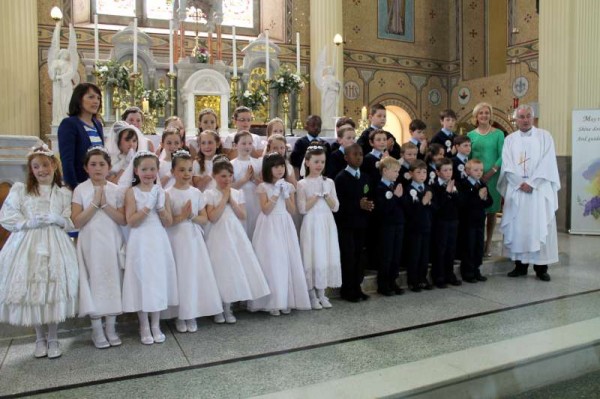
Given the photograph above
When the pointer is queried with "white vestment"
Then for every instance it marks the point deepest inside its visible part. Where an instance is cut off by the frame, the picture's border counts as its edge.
(529, 220)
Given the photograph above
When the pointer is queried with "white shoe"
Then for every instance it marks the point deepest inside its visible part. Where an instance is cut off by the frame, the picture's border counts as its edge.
(325, 302)
(53, 349)
(146, 337)
(113, 338)
(229, 318)
(180, 325)
(315, 304)
(219, 318)
(192, 326)
(41, 348)
(286, 311)
(100, 342)
(275, 313)
(157, 335)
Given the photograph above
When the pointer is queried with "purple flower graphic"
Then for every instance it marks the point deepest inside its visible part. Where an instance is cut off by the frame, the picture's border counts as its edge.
(592, 207)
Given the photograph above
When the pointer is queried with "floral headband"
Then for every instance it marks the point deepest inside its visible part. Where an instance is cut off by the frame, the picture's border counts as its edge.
(42, 150)
(315, 148)
(181, 153)
(140, 154)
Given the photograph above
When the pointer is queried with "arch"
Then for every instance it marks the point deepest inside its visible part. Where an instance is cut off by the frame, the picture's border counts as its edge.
(400, 101)
(397, 122)
(206, 82)
(499, 120)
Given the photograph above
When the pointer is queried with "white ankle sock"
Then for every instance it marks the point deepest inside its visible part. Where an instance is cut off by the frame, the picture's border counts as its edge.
(52, 332)
(143, 318)
(39, 332)
(110, 325)
(312, 294)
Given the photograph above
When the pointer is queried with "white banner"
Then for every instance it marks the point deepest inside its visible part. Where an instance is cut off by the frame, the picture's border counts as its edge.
(585, 172)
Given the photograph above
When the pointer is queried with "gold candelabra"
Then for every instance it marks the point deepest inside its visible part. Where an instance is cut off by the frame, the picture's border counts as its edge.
(234, 90)
(116, 100)
(132, 86)
(285, 105)
(299, 125)
(171, 76)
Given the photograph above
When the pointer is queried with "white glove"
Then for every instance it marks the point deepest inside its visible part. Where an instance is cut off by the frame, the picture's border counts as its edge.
(285, 190)
(53, 218)
(160, 199)
(129, 156)
(28, 224)
(152, 197)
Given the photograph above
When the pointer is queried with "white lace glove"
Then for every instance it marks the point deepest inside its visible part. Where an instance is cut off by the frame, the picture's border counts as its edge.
(280, 185)
(286, 191)
(160, 199)
(152, 197)
(29, 224)
(53, 218)
(129, 156)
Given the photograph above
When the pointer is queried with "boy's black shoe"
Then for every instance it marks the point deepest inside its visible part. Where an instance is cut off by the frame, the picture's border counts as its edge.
(543, 276)
(517, 272)
(470, 280)
(455, 282)
(415, 288)
(385, 292)
(479, 277)
(397, 290)
(441, 285)
(363, 296)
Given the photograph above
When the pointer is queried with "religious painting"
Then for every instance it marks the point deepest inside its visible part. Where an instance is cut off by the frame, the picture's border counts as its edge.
(396, 20)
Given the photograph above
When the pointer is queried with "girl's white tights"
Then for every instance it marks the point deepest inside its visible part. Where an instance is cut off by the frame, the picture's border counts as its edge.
(52, 332)
(153, 325)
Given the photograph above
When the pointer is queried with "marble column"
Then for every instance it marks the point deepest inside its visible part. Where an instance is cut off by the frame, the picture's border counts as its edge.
(325, 22)
(19, 102)
(569, 64)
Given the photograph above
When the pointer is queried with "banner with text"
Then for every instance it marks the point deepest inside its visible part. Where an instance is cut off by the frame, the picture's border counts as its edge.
(585, 172)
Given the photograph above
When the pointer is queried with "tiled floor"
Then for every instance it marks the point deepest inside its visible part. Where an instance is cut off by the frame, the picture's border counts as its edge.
(262, 354)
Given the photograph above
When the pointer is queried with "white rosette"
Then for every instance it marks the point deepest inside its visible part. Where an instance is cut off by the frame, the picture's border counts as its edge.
(431, 177)
(448, 144)
(407, 176)
(413, 194)
(377, 164)
(389, 195)
(461, 169)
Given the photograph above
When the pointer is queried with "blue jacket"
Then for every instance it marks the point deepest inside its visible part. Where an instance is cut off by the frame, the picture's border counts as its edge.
(73, 143)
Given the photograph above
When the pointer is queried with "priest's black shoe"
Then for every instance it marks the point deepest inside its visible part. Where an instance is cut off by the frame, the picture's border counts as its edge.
(517, 273)
(543, 276)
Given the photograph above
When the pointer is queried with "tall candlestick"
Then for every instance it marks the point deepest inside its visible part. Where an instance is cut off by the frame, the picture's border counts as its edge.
(267, 54)
(135, 45)
(363, 113)
(171, 46)
(96, 50)
(234, 50)
(298, 53)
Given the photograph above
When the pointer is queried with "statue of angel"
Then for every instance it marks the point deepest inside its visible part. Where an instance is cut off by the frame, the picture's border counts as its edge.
(329, 86)
(62, 68)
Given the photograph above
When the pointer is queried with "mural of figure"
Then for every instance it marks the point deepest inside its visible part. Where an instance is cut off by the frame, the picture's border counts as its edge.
(62, 68)
(396, 16)
(329, 86)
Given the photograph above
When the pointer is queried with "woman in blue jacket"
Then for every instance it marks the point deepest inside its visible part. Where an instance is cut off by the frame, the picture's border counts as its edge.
(80, 131)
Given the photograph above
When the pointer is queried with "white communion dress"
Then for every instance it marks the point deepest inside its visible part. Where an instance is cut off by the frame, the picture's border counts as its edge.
(249, 188)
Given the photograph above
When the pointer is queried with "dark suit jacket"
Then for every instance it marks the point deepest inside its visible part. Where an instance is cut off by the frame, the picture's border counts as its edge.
(73, 143)
(418, 216)
(369, 166)
(456, 174)
(363, 141)
(297, 155)
(441, 138)
(335, 164)
(388, 208)
(349, 191)
(472, 210)
(445, 205)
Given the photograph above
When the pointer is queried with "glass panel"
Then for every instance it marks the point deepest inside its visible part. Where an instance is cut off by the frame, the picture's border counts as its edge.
(123, 8)
(235, 12)
(159, 9)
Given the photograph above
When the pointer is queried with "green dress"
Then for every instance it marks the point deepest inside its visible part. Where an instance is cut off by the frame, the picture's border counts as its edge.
(488, 149)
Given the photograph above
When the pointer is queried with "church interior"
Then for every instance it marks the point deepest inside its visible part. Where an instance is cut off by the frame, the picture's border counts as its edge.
(513, 338)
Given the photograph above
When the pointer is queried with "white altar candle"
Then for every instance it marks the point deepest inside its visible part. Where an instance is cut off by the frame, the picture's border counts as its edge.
(267, 54)
(96, 50)
(135, 45)
(298, 53)
(171, 69)
(234, 51)
(363, 113)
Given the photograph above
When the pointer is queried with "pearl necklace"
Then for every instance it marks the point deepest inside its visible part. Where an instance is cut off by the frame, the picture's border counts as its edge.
(489, 129)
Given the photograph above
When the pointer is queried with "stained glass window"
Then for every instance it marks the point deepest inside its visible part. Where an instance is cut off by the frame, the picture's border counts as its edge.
(124, 8)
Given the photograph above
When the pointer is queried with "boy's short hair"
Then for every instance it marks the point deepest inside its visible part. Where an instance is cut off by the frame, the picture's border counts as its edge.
(388, 162)
(375, 133)
(345, 120)
(417, 164)
(352, 147)
(407, 146)
(376, 107)
(442, 162)
(472, 162)
(340, 132)
(458, 140)
(447, 113)
(417, 124)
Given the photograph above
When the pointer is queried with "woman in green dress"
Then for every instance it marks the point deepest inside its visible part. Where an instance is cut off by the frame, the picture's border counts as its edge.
(486, 145)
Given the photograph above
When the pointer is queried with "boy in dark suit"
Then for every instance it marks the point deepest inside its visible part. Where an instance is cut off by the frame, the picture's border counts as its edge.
(352, 188)
(417, 132)
(445, 226)
(459, 161)
(337, 162)
(378, 141)
(417, 228)
(409, 155)
(390, 222)
(474, 198)
(445, 137)
(377, 119)
(342, 122)
(313, 128)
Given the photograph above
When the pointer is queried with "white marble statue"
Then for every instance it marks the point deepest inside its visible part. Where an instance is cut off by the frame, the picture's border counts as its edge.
(329, 86)
(62, 68)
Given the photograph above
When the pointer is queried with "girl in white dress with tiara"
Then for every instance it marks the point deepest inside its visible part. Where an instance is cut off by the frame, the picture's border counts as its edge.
(97, 210)
(198, 292)
(236, 267)
(170, 142)
(275, 242)
(246, 177)
(210, 146)
(150, 281)
(317, 200)
(39, 276)
(122, 142)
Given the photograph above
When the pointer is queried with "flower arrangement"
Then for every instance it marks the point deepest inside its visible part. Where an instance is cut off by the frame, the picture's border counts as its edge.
(112, 73)
(156, 98)
(287, 82)
(252, 99)
(202, 55)
(591, 206)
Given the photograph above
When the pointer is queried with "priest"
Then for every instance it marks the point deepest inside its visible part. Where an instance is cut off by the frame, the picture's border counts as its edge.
(529, 183)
